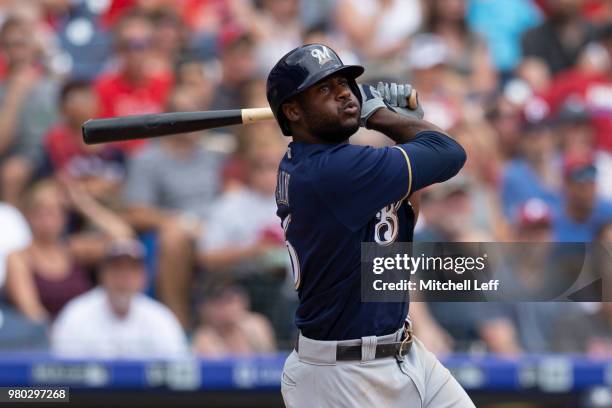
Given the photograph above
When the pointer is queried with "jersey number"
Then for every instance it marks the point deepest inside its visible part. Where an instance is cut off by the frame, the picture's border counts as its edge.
(386, 229)
(295, 263)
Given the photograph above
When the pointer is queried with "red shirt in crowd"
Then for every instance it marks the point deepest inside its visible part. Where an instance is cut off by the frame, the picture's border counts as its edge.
(595, 90)
(67, 153)
(118, 97)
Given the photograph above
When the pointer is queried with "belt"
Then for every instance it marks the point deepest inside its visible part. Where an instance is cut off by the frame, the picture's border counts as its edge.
(393, 349)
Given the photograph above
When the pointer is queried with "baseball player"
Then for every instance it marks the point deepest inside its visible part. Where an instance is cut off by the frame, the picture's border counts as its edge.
(331, 197)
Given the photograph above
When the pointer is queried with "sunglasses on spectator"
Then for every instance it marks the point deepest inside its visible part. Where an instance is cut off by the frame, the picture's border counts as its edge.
(15, 43)
(135, 45)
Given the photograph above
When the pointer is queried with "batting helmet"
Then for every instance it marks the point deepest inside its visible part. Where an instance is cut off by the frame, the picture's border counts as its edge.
(300, 69)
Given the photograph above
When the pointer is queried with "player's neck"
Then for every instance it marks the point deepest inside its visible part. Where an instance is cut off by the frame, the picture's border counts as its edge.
(307, 138)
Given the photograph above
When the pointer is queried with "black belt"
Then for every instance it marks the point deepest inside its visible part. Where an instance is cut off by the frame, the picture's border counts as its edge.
(350, 353)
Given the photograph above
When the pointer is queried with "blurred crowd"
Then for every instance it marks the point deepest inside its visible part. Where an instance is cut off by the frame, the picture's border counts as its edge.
(171, 246)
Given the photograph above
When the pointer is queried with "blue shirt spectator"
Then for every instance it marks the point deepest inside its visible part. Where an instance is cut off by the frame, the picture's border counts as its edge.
(520, 183)
(581, 213)
(502, 23)
(567, 229)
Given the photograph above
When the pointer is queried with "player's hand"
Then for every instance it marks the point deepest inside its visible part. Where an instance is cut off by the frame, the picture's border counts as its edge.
(402, 97)
(371, 101)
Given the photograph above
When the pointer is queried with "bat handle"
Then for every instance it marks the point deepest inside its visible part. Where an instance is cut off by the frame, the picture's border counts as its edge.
(256, 114)
(413, 100)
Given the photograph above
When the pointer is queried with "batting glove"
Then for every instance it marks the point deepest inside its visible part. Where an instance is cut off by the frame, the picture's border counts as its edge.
(371, 101)
(397, 95)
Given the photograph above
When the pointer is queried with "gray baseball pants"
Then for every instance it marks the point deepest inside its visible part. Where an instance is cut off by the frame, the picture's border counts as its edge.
(313, 378)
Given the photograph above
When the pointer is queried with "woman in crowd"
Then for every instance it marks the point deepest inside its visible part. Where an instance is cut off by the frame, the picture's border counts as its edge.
(54, 267)
(469, 56)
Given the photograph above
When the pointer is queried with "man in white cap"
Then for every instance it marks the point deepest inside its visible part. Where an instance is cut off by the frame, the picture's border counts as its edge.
(115, 320)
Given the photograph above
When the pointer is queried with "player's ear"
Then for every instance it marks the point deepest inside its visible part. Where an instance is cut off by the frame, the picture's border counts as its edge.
(292, 111)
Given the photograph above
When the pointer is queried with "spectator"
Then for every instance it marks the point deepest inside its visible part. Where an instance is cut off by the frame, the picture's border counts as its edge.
(468, 55)
(530, 275)
(559, 41)
(589, 330)
(169, 40)
(237, 56)
(27, 108)
(15, 236)
(583, 331)
(502, 23)
(277, 30)
(378, 29)
(258, 229)
(229, 327)
(207, 17)
(440, 92)
(99, 168)
(134, 88)
(575, 129)
(482, 173)
(80, 46)
(536, 173)
(170, 188)
(504, 116)
(249, 244)
(577, 134)
(581, 211)
(115, 320)
(191, 75)
(467, 222)
(16, 331)
(235, 170)
(592, 88)
(44, 276)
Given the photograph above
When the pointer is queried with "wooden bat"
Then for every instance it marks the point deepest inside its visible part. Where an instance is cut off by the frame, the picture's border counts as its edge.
(124, 128)
(161, 124)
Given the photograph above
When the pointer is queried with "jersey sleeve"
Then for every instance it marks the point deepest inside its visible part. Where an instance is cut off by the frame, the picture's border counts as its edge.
(356, 182)
(433, 157)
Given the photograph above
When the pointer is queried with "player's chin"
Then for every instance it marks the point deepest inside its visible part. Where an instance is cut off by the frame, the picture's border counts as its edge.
(350, 122)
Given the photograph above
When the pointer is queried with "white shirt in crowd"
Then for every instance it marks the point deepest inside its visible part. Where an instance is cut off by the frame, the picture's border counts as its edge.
(401, 19)
(14, 235)
(238, 218)
(87, 328)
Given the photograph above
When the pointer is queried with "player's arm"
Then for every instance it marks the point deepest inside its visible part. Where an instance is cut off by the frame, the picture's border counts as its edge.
(399, 128)
(431, 155)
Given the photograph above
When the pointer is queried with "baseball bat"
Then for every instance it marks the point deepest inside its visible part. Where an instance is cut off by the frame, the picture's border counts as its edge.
(413, 100)
(124, 128)
(161, 124)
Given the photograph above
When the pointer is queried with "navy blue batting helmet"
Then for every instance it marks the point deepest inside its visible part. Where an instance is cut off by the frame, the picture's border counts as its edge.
(300, 69)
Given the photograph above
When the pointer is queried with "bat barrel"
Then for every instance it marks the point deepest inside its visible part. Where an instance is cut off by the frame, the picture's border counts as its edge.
(154, 125)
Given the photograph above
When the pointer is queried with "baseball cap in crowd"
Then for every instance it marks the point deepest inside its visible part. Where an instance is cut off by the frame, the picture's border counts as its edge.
(534, 213)
(125, 249)
(536, 115)
(427, 51)
(460, 184)
(230, 35)
(579, 168)
(573, 111)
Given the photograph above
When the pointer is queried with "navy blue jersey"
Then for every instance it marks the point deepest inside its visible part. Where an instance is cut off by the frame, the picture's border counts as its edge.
(330, 199)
